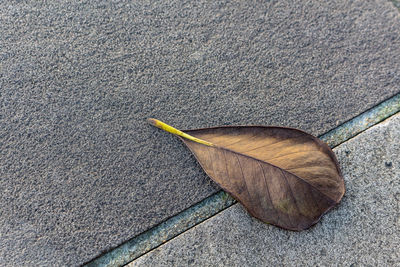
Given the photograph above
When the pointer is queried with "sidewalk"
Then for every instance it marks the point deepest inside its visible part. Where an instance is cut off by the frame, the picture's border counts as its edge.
(82, 173)
(362, 230)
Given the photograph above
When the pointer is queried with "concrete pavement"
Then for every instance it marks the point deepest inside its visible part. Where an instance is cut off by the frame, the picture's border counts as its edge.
(81, 172)
(363, 230)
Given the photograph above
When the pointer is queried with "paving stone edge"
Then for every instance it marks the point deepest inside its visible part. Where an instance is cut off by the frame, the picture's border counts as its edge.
(216, 203)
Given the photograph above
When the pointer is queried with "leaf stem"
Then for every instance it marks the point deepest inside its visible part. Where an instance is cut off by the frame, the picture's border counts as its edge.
(170, 129)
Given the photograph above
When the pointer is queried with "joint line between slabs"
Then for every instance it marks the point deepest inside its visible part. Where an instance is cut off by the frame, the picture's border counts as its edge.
(212, 205)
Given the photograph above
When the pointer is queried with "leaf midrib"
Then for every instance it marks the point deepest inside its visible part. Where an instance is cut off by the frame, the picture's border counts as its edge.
(300, 178)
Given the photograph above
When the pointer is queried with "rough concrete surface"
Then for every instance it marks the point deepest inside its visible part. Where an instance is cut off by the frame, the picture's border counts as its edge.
(396, 3)
(362, 231)
(80, 170)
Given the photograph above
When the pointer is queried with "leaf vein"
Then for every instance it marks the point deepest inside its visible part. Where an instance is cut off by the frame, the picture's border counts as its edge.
(269, 193)
(291, 154)
(272, 144)
(242, 139)
(244, 179)
(291, 193)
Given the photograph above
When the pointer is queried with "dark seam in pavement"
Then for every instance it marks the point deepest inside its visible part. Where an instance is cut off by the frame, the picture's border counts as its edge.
(196, 214)
(212, 205)
(396, 4)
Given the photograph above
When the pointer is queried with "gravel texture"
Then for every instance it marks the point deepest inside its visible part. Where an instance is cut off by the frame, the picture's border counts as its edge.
(81, 171)
(362, 231)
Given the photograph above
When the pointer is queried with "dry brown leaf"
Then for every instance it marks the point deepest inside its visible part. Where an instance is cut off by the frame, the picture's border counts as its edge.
(282, 176)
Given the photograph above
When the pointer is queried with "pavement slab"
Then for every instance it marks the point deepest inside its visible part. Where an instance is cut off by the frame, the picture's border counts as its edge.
(81, 172)
(363, 230)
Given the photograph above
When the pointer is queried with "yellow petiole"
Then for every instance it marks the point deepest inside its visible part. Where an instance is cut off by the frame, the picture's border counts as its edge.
(170, 129)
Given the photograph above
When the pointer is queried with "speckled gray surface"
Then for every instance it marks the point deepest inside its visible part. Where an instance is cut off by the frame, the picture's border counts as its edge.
(396, 3)
(362, 231)
(81, 171)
